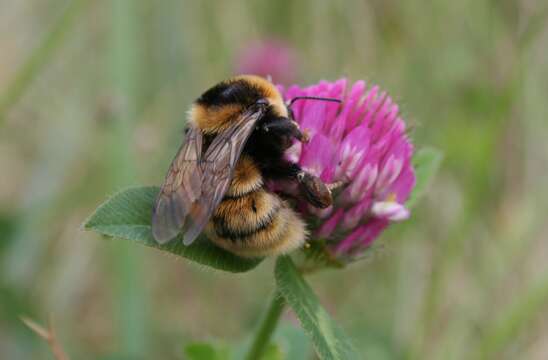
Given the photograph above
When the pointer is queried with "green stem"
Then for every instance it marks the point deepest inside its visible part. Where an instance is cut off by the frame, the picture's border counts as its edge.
(268, 325)
(129, 297)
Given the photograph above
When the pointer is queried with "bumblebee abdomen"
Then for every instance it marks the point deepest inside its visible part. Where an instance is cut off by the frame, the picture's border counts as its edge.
(276, 230)
(253, 222)
(242, 216)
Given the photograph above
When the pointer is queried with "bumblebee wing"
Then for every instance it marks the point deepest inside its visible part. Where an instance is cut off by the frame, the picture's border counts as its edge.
(181, 190)
(217, 168)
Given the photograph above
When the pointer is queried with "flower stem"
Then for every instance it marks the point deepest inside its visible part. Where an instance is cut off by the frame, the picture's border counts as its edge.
(268, 325)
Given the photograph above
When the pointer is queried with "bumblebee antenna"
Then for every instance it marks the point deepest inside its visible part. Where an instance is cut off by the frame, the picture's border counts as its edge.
(312, 98)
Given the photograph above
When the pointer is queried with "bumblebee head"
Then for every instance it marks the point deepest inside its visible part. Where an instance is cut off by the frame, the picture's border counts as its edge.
(219, 106)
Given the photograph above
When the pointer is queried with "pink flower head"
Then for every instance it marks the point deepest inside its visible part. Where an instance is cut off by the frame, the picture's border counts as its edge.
(361, 144)
(269, 58)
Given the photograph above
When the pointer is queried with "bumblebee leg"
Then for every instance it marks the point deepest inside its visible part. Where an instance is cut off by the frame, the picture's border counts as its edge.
(282, 170)
(311, 187)
(335, 185)
(314, 190)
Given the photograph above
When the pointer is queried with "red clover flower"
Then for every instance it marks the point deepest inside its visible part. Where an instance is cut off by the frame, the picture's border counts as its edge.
(362, 145)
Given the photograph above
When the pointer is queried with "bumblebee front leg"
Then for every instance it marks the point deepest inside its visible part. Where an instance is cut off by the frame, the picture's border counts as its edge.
(284, 126)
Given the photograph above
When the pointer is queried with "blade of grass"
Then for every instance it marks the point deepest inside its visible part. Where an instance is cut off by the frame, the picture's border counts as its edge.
(40, 57)
(129, 297)
(514, 320)
(48, 335)
(43, 191)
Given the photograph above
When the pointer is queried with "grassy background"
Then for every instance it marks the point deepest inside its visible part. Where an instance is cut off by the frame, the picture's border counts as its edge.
(93, 97)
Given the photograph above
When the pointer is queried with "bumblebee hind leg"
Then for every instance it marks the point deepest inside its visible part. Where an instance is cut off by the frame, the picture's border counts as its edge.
(311, 187)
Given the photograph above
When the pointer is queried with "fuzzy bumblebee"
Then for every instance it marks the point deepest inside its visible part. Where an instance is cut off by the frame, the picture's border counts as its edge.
(235, 143)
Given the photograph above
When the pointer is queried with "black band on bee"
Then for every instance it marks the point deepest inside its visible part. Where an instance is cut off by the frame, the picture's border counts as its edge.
(225, 230)
(235, 197)
(231, 92)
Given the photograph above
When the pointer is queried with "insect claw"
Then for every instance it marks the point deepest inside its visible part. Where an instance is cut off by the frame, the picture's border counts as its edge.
(335, 185)
(306, 136)
(302, 136)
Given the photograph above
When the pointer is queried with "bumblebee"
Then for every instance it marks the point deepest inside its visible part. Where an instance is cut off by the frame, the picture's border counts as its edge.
(237, 134)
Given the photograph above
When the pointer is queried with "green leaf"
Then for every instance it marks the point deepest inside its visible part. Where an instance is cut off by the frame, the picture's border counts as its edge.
(328, 339)
(127, 215)
(426, 163)
(205, 351)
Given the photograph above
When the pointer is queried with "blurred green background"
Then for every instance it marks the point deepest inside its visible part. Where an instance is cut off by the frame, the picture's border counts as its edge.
(93, 96)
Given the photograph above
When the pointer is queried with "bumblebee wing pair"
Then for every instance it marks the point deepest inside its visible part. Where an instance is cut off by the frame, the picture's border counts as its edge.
(196, 183)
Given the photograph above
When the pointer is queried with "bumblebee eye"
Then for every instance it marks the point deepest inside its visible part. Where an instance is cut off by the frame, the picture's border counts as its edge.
(262, 102)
